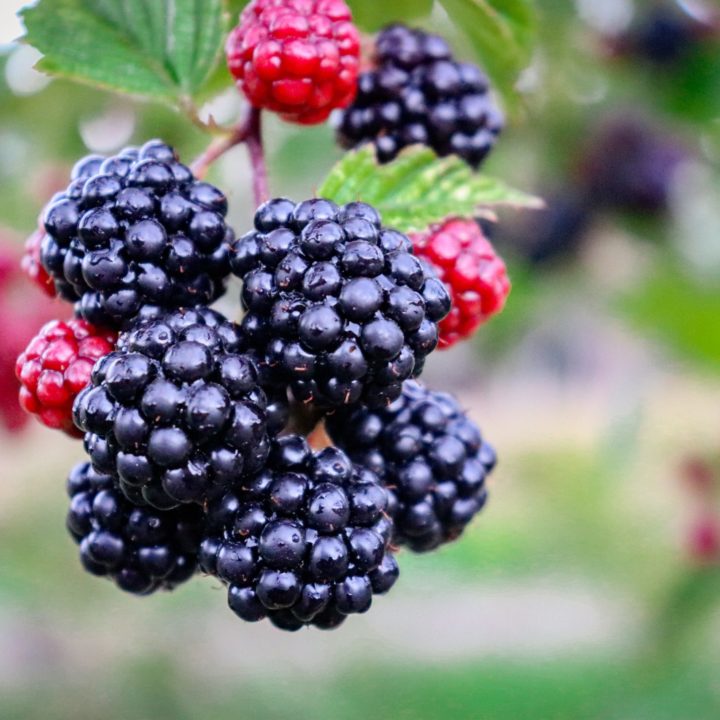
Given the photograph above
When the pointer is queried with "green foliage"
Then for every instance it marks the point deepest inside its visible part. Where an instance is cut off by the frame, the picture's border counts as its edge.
(679, 310)
(502, 33)
(372, 16)
(159, 49)
(418, 189)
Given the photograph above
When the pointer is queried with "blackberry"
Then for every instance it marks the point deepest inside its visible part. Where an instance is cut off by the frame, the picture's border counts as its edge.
(142, 550)
(338, 307)
(136, 230)
(175, 413)
(56, 366)
(418, 94)
(304, 542)
(630, 164)
(430, 456)
(298, 58)
(473, 272)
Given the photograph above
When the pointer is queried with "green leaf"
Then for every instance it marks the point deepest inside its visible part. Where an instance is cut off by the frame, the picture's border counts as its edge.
(159, 49)
(418, 189)
(502, 33)
(678, 310)
(371, 15)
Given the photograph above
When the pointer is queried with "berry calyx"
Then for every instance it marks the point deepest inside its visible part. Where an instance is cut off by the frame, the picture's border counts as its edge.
(476, 277)
(56, 366)
(297, 58)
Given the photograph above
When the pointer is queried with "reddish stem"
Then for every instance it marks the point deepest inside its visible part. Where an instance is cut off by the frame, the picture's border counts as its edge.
(254, 140)
(248, 131)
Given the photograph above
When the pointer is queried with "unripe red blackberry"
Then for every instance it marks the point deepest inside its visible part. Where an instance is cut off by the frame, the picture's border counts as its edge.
(474, 274)
(176, 413)
(418, 94)
(304, 542)
(298, 58)
(56, 366)
(430, 456)
(136, 233)
(141, 549)
(338, 307)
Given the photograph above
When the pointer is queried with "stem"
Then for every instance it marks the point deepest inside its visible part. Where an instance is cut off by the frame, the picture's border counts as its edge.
(254, 141)
(248, 131)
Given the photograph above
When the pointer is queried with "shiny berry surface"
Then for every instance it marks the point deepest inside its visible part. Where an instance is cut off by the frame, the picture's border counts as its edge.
(431, 457)
(475, 276)
(338, 307)
(417, 93)
(141, 549)
(176, 413)
(56, 366)
(304, 542)
(136, 234)
(298, 58)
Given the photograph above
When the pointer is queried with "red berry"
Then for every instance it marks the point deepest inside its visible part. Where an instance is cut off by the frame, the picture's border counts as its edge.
(32, 266)
(298, 58)
(474, 274)
(704, 540)
(56, 366)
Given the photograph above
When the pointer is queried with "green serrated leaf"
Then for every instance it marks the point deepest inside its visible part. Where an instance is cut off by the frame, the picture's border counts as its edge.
(502, 33)
(158, 49)
(418, 188)
(370, 15)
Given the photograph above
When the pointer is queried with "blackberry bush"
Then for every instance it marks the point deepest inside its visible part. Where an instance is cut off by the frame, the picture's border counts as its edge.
(141, 549)
(338, 307)
(134, 233)
(418, 94)
(304, 542)
(431, 457)
(199, 429)
(176, 413)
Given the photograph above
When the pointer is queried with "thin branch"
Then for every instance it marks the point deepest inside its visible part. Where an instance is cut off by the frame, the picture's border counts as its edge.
(248, 131)
(254, 141)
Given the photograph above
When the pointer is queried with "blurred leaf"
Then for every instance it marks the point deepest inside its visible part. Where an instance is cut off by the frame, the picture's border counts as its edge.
(689, 607)
(372, 16)
(502, 33)
(159, 49)
(418, 189)
(236, 7)
(679, 310)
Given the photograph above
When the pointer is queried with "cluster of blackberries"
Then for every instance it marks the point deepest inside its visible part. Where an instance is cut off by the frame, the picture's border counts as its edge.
(418, 94)
(195, 425)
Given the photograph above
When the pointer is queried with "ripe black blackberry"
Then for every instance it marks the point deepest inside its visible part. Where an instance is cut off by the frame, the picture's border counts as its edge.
(141, 549)
(176, 413)
(418, 94)
(304, 542)
(135, 231)
(338, 307)
(430, 456)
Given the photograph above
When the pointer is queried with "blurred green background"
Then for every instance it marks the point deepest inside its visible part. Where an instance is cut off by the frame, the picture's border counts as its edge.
(590, 587)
